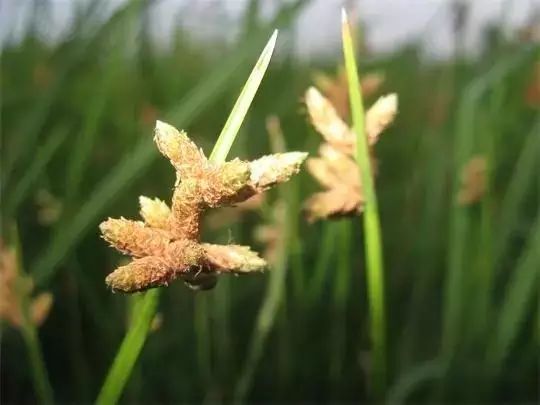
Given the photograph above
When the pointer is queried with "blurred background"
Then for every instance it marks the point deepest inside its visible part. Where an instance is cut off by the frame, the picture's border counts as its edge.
(82, 84)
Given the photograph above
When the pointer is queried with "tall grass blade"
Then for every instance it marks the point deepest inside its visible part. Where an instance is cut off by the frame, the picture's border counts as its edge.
(455, 299)
(519, 296)
(341, 292)
(412, 379)
(523, 175)
(323, 262)
(372, 228)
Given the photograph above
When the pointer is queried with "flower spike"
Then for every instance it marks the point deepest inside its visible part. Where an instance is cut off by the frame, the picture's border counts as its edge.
(166, 245)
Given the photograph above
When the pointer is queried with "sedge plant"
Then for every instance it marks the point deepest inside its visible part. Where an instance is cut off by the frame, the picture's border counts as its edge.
(155, 244)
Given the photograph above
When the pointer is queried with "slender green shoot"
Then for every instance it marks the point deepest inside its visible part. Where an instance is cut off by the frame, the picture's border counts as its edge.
(340, 294)
(130, 349)
(134, 340)
(372, 229)
(239, 111)
(519, 296)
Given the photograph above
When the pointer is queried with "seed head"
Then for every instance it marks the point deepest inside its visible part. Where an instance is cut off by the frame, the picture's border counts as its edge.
(166, 245)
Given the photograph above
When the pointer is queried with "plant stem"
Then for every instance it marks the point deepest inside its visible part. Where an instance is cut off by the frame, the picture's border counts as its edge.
(372, 231)
(130, 349)
(35, 356)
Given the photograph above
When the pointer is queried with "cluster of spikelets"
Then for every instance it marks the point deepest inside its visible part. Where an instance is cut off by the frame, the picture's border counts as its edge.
(14, 288)
(336, 169)
(167, 244)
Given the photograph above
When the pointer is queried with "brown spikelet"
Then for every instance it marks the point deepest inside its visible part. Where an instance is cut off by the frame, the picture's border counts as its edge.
(233, 258)
(175, 145)
(134, 238)
(141, 274)
(379, 116)
(327, 122)
(167, 245)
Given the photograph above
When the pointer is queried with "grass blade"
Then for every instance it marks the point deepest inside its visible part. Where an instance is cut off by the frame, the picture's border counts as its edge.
(454, 301)
(523, 175)
(520, 293)
(239, 111)
(372, 228)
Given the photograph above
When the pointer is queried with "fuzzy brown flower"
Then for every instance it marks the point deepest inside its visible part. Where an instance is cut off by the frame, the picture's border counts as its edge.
(166, 244)
(336, 169)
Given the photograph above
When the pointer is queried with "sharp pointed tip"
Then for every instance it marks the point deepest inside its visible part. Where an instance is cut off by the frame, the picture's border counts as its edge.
(160, 125)
(344, 18)
(272, 40)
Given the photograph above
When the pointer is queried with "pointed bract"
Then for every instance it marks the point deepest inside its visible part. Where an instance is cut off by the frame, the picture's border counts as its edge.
(155, 212)
(175, 145)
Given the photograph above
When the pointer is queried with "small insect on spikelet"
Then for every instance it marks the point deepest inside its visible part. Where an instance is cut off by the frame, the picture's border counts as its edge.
(13, 285)
(166, 244)
(335, 169)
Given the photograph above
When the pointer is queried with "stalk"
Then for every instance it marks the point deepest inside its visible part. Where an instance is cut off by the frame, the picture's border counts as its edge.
(371, 222)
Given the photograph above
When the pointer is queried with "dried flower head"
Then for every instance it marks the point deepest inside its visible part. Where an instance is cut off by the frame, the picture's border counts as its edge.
(335, 169)
(336, 88)
(12, 287)
(166, 245)
(473, 177)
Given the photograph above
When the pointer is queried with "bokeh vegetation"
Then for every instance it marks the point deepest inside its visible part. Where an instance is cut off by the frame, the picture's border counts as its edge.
(461, 277)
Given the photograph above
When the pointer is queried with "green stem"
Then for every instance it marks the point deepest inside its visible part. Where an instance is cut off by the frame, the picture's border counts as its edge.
(130, 349)
(340, 293)
(372, 230)
(35, 356)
